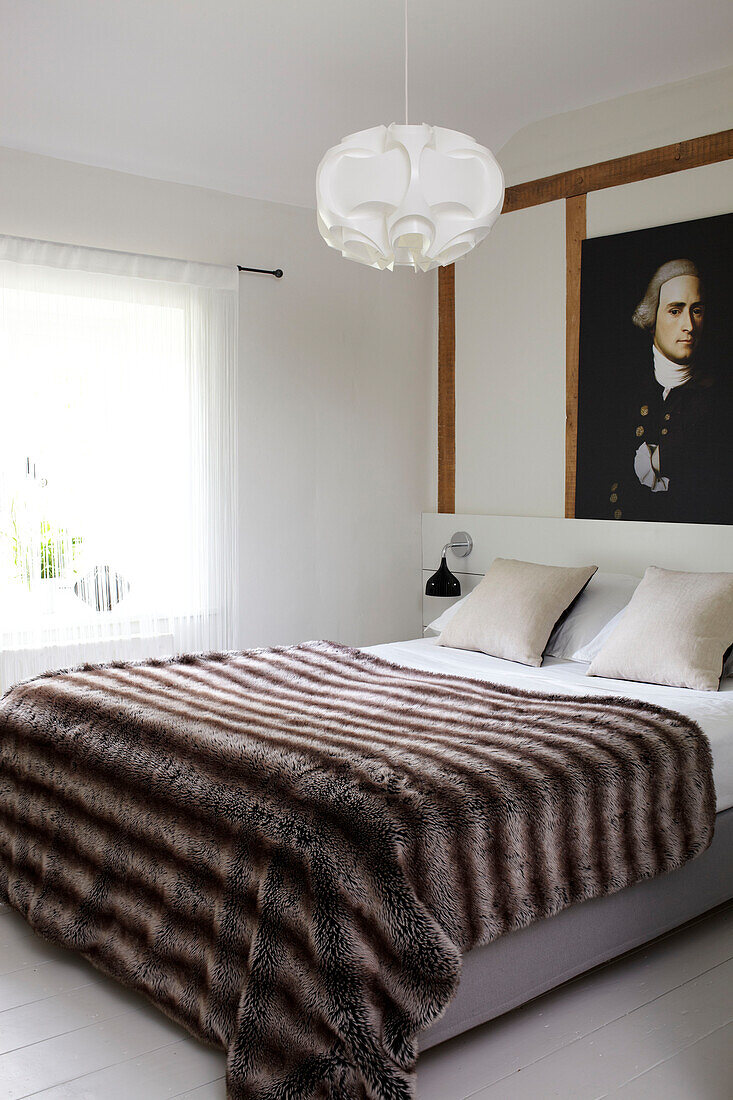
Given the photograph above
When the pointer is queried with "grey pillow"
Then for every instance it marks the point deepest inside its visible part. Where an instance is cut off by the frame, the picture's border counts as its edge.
(675, 631)
(511, 613)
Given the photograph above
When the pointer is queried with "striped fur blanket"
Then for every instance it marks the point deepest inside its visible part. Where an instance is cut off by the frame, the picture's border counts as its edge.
(288, 850)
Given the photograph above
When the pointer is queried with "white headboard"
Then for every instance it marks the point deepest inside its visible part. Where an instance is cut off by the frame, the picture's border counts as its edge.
(614, 546)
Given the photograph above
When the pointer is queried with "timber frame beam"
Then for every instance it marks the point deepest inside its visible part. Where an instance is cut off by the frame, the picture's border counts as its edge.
(573, 187)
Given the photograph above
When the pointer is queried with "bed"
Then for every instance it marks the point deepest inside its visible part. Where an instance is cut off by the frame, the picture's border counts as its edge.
(307, 908)
(515, 968)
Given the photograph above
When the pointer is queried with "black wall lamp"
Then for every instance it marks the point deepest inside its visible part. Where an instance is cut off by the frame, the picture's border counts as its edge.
(444, 583)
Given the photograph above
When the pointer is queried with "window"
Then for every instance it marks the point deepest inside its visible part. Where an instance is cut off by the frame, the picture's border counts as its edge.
(117, 456)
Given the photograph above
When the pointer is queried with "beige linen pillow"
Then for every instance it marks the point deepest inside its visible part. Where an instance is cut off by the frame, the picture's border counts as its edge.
(511, 613)
(675, 630)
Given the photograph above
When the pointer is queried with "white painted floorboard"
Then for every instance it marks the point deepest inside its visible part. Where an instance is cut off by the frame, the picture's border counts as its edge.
(703, 1069)
(657, 1023)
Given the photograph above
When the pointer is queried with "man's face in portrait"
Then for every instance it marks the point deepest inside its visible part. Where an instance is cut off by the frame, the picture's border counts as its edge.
(679, 318)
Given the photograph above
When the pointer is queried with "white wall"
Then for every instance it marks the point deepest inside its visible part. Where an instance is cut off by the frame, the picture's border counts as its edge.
(336, 393)
(629, 124)
(510, 293)
(510, 367)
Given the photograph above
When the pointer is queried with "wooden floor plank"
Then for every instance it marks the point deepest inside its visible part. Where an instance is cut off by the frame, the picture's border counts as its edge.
(69, 1011)
(608, 1058)
(501, 1047)
(216, 1090)
(20, 946)
(159, 1075)
(703, 1070)
(46, 979)
(66, 1057)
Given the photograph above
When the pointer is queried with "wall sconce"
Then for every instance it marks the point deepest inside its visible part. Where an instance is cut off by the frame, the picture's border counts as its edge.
(444, 583)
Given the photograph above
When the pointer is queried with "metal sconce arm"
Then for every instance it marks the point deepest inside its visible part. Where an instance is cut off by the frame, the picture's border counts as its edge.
(461, 544)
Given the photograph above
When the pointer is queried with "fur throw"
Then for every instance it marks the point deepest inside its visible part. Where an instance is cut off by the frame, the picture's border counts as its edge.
(288, 850)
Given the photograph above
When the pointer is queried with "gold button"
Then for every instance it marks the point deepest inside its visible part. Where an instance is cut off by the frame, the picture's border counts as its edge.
(617, 514)
(613, 498)
(667, 416)
(614, 487)
(644, 410)
(639, 431)
(664, 431)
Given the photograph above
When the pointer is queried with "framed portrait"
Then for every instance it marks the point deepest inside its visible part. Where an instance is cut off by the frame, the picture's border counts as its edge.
(655, 375)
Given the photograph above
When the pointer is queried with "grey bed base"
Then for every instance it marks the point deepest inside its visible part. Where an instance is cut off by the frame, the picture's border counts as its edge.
(515, 968)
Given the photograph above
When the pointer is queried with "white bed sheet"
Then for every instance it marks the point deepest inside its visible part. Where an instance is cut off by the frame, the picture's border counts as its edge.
(712, 710)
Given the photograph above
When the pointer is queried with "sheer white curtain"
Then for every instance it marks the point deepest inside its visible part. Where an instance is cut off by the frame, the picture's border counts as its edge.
(117, 456)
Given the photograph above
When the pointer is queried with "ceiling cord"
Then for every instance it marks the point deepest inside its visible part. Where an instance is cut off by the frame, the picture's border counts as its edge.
(406, 51)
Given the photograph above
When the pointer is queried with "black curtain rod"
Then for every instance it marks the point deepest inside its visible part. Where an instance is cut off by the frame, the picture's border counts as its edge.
(278, 272)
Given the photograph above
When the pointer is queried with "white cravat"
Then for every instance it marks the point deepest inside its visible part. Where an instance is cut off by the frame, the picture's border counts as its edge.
(669, 375)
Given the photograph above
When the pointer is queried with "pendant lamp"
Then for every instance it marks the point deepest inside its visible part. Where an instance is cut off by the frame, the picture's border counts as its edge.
(414, 195)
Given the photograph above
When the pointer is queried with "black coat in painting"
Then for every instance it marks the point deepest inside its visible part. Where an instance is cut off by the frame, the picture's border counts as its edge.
(693, 431)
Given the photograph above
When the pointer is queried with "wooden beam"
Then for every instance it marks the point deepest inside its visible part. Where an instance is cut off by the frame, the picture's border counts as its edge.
(612, 173)
(447, 389)
(575, 228)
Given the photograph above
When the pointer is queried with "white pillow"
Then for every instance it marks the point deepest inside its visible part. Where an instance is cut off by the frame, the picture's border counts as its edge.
(445, 617)
(605, 595)
(595, 645)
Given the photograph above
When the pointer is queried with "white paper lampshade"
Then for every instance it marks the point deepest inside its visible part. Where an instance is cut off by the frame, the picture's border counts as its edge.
(418, 195)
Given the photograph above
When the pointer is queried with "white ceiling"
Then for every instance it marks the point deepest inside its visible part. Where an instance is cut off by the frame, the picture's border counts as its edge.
(246, 95)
